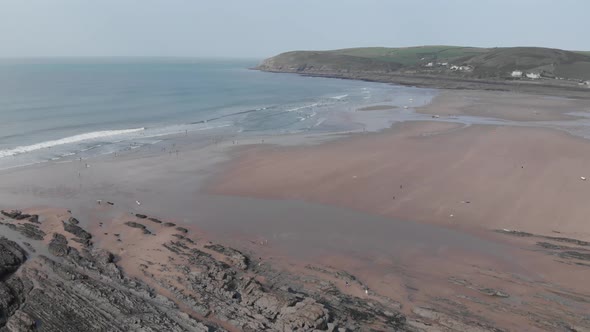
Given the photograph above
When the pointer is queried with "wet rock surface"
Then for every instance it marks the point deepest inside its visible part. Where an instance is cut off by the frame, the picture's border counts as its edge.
(134, 224)
(76, 230)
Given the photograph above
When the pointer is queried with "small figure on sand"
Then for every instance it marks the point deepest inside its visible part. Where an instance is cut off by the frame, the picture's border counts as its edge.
(99, 201)
(138, 202)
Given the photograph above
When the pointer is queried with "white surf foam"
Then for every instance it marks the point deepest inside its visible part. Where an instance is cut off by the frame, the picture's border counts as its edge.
(302, 107)
(68, 140)
(339, 97)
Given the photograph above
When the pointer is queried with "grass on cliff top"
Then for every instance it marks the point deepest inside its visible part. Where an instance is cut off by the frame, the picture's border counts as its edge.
(409, 56)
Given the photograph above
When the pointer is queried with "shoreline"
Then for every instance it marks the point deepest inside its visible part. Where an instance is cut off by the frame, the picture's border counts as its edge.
(448, 83)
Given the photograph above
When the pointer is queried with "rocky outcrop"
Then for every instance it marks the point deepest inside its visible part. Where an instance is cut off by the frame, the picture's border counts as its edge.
(77, 231)
(58, 245)
(182, 230)
(239, 259)
(11, 256)
(134, 224)
(232, 294)
(207, 288)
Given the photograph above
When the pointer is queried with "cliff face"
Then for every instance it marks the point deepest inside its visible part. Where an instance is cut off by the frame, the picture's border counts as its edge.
(319, 62)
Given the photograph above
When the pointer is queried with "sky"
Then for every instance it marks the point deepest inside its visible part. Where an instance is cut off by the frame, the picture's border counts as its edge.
(262, 28)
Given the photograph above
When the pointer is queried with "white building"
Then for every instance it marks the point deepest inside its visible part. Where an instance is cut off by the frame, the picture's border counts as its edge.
(516, 73)
(533, 76)
(430, 64)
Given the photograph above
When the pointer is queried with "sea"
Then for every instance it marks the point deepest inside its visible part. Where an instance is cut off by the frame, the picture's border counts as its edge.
(56, 108)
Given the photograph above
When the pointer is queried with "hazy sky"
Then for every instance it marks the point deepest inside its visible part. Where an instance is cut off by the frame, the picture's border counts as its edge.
(261, 28)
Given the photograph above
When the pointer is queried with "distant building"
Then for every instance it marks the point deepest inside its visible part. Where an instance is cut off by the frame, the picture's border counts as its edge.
(516, 73)
(461, 68)
(430, 64)
(533, 76)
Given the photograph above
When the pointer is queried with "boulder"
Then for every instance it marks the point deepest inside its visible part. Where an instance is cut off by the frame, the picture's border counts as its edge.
(58, 245)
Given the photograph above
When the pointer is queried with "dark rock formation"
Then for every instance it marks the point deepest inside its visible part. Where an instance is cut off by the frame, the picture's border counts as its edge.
(134, 224)
(140, 216)
(239, 259)
(11, 214)
(235, 296)
(30, 231)
(58, 245)
(85, 290)
(77, 230)
(157, 221)
(11, 256)
(34, 218)
(182, 229)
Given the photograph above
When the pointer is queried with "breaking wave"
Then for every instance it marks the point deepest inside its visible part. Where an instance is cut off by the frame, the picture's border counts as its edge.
(68, 140)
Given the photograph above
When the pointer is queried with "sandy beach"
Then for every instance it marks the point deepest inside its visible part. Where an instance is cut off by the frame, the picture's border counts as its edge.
(506, 105)
(406, 218)
(487, 177)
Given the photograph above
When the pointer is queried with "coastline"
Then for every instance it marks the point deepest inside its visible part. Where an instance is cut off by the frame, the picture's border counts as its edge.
(432, 276)
(448, 83)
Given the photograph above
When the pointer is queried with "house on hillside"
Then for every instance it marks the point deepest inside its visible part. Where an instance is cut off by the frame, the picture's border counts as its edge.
(516, 73)
(430, 64)
(461, 68)
(533, 76)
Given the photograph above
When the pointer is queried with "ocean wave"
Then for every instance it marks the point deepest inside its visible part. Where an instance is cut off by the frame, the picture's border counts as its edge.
(68, 140)
(302, 107)
(339, 97)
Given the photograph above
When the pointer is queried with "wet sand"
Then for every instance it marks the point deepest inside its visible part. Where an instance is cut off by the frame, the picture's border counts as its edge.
(505, 105)
(485, 177)
(378, 108)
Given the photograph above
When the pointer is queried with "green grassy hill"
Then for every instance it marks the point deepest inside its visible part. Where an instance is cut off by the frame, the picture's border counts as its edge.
(438, 60)
(408, 56)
